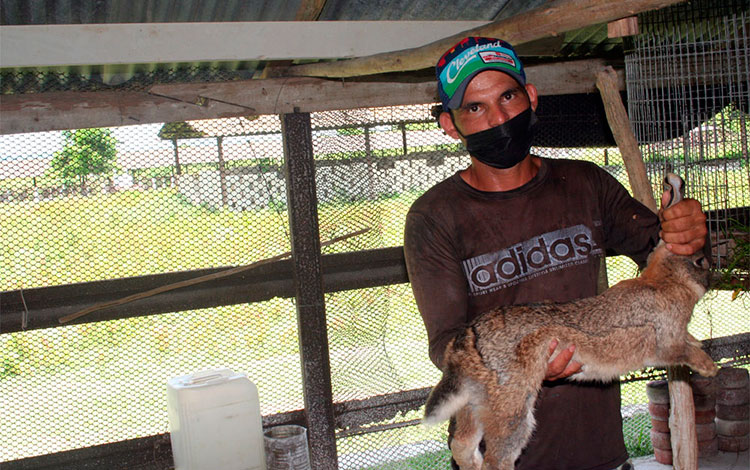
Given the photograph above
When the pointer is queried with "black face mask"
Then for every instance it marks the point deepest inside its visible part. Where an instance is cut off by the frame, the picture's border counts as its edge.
(505, 145)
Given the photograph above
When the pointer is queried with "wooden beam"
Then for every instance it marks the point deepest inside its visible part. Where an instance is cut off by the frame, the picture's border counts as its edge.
(145, 43)
(617, 117)
(43, 306)
(623, 27)
(552, 19)
(181, 102)
(683, 435)
(682, 411)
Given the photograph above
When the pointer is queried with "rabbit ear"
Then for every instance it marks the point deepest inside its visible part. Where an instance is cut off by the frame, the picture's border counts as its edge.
(674, 190)
(700, 262)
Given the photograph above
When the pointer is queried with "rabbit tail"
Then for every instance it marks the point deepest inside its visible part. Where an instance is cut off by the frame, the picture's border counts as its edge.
(448, 396)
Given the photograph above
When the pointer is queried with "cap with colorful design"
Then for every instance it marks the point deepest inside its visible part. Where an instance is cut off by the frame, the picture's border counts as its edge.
(472, 55)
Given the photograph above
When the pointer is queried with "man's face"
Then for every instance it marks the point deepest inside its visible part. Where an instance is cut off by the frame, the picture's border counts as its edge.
(491, 98)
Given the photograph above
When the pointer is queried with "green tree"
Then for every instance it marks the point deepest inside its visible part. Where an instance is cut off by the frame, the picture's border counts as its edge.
(85, 152)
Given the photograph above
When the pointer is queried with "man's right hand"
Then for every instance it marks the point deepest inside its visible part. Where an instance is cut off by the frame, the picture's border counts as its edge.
(562, 366)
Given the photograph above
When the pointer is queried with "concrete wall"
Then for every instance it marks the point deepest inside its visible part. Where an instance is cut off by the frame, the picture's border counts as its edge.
(336, 180)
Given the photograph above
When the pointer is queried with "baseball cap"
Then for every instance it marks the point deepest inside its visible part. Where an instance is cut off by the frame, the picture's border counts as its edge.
(472, 55)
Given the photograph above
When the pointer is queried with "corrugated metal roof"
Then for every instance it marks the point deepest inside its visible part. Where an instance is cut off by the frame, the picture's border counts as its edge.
(584, 43)
(29, 12)
(424, 9)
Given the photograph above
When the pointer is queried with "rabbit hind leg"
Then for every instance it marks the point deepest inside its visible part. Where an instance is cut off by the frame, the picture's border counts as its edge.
(508, 434)
(691, 356)
(701, 362)
(465, 441)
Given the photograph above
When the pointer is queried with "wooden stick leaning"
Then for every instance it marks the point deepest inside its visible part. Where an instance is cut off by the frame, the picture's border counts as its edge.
(684, 437)
(196, 280)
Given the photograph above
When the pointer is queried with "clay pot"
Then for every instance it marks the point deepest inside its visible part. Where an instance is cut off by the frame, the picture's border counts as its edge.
(705, 386)
(659, 425)
(734, 443)
(705, 416)
(657, 392)
(733, 396)
(733, 377)
(658, 411)
(663, 456)
(732, 428)
(733, 412)
(661, 440)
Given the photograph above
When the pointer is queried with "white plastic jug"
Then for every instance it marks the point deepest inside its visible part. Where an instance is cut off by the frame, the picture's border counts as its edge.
(214, 421)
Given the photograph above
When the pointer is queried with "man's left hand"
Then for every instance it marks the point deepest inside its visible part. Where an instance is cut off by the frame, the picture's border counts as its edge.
(683, 227)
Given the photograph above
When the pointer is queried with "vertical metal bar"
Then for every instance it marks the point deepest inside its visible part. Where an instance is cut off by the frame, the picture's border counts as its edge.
(403, 137)
(222, 171)
(369, 162)
(308, 280)
(178, 170)
(368, 144)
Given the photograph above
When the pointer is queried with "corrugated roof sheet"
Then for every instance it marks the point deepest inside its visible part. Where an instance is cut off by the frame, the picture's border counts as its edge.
(28, 12)
(587, 42)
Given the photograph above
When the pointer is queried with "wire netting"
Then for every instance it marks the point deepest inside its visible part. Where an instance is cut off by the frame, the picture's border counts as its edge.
(105, 204)
(688, 96)
(203, 194)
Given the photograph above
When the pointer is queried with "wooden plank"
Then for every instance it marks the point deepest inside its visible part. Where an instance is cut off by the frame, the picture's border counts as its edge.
(567, 78)
(551, 19)
(181, 102)
(684, 437)
(618, 120)
(681, 415)
(43, 306)
(623, 27)
(145, 43)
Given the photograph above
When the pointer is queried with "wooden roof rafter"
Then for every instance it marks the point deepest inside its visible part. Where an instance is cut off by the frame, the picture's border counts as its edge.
(552, 19)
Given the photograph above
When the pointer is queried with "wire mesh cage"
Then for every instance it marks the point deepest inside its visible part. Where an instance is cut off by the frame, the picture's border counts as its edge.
(91, 205)
(204, 194)
(688, 97)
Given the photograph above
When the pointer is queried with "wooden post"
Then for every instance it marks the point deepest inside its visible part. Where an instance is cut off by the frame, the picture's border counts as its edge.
(623, 27)
(606, 82)
(684, 437)
(682, 409)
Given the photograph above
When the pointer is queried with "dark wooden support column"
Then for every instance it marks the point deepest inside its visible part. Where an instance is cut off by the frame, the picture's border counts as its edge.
(308, 284)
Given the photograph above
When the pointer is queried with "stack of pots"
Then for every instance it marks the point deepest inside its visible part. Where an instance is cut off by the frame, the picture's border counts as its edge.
(733, 409)
(704, 399)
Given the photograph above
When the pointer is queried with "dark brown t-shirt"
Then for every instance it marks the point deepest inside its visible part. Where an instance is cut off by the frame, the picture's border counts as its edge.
(468, 251)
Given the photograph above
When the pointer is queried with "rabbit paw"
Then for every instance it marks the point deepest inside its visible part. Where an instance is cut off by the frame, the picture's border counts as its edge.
(706, 370)
(704, 365)
(466, 458)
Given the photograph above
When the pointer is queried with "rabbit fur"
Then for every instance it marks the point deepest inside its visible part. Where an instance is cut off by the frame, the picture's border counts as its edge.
(493, 369)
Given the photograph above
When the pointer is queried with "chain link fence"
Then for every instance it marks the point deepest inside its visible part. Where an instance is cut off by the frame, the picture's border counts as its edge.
(91, 205)
(688, 99)
(209, 194)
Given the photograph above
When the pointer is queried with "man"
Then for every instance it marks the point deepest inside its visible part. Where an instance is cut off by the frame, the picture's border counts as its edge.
(514, 228)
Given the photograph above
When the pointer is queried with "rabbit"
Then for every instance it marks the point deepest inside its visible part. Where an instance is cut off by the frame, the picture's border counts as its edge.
(494, 368)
